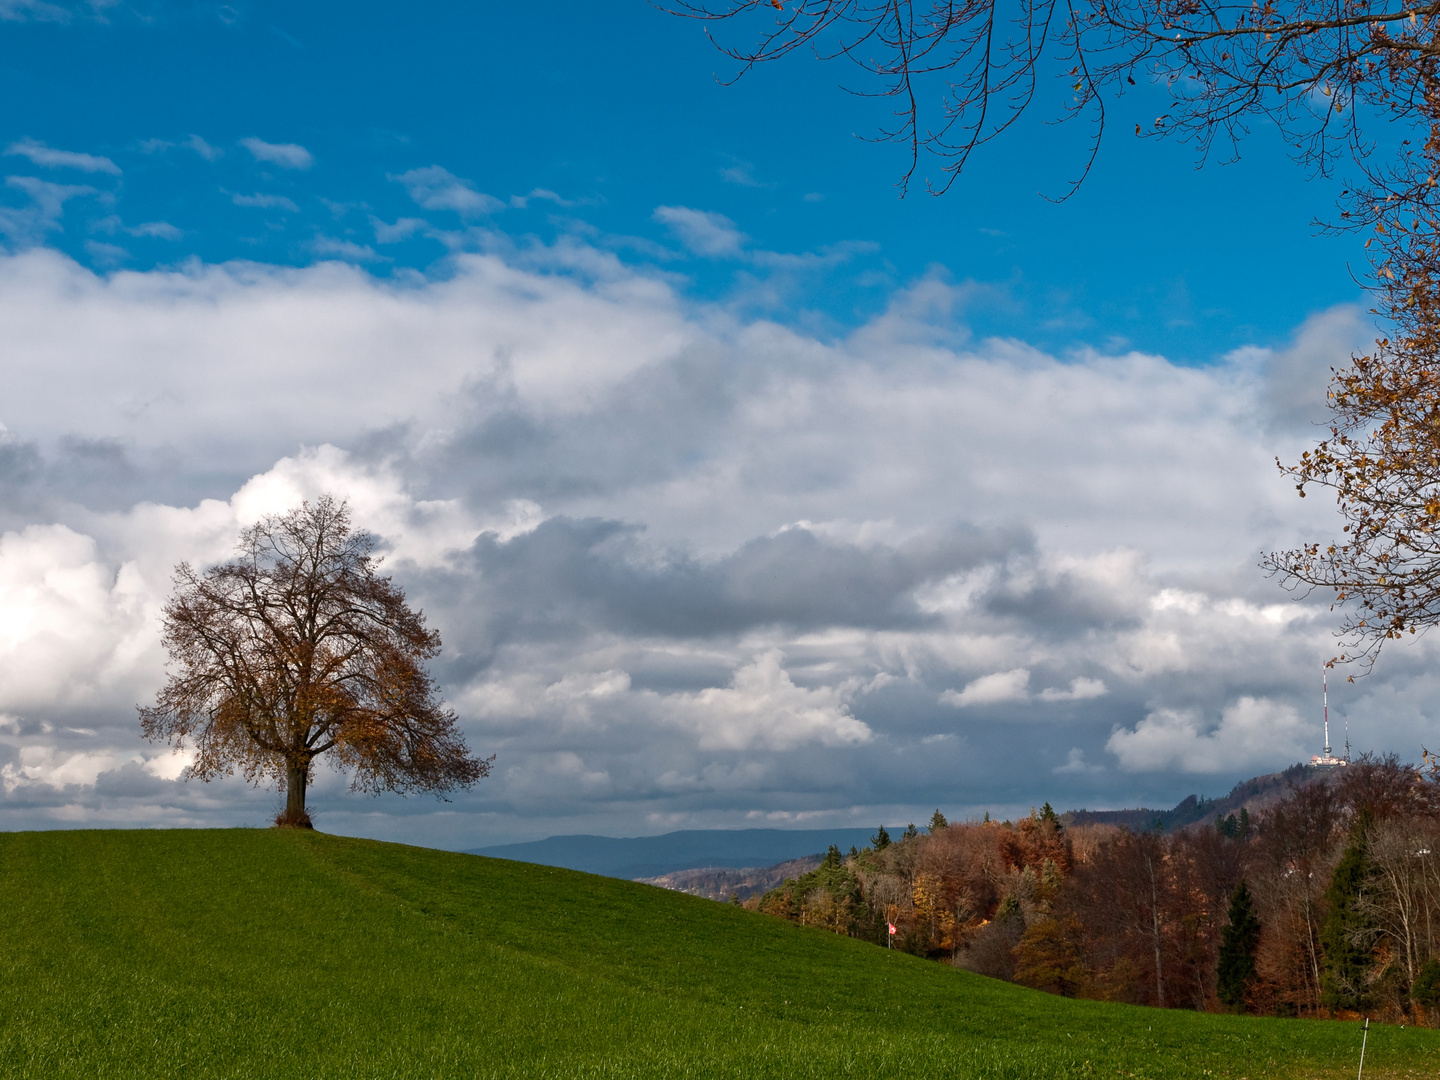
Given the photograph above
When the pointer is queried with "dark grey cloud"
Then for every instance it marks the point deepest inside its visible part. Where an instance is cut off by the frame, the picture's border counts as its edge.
(570, 578)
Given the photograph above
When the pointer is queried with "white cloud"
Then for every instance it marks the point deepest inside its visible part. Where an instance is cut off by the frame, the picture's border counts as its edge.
(1253, 733)
(45, 765)
(286, 155)
(265, 202)
(71, 627)
(204, 149)
(703, 232)
(763, 708)
(51, 158)
(435, 188)
(403, 229)
(1120, 565)
(520, 202)
(343, 249)
(161, 230)
(29, 224)
(742, 174)
(993, 689)
(1081, 689)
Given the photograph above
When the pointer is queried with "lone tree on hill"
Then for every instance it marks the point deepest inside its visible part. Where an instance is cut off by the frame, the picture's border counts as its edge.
(296, 648)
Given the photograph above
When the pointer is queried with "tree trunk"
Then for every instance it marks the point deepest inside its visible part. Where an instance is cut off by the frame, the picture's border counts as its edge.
(1155, 927)
(296, 778)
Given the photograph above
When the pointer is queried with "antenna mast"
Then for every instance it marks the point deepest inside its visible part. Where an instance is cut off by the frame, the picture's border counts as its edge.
(1325, 699)
(1328, 760)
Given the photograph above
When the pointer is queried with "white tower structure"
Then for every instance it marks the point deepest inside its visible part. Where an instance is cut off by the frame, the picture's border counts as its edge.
(1328, 760)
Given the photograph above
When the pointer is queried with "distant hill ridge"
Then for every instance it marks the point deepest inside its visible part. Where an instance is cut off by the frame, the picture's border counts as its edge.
(1253, 795)
(700, 856)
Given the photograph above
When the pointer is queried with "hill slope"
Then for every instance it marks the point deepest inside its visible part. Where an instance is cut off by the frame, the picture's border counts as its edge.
(275, 954)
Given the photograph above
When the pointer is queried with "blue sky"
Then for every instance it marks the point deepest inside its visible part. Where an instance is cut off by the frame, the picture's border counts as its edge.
(616, 110)
(741, 490)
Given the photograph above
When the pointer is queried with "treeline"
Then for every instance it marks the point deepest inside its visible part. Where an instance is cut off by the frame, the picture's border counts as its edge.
(1326, 903)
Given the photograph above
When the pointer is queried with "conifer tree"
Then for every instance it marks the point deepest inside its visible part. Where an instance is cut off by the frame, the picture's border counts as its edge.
(938, 822)
(881, 840)
(1238, 943)
(1347, 932)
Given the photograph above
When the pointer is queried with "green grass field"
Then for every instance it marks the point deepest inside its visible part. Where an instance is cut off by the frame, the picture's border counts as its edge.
(248, 953)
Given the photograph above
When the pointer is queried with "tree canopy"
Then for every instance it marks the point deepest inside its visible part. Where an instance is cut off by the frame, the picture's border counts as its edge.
(297, 648)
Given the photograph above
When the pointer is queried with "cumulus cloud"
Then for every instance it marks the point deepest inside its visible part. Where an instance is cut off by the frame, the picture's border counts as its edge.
(1080, 689)
(72, 626)
(992, 689)
(702, 231)
(1010, 686)
(685, 564)
(286, 155)
(1252, 732)
(49, 157)
(763, 708)
(435, 188)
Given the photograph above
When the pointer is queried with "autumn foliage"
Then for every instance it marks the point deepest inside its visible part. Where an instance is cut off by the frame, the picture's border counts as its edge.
(297, 648)
(1325, 903)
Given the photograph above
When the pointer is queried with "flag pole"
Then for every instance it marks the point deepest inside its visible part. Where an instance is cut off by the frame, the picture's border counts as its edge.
(1363, 1037)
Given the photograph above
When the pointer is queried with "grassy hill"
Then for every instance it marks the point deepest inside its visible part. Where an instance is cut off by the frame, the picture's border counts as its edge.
(252, 953)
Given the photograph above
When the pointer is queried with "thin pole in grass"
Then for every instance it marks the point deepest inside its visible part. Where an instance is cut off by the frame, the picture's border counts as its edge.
(1365, 1035)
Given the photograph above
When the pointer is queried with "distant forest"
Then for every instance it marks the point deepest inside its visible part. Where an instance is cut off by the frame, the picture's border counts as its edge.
(1325, 902)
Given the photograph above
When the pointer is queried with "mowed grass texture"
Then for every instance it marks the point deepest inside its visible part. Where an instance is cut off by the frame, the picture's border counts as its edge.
(249, 953)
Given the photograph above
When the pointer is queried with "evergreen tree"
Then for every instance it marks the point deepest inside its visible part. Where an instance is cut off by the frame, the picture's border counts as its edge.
(881, 840)
(1238, 943)
(1426, 990)
(1347, 932)
(910, 832)
(1047, 813)
(938, 822)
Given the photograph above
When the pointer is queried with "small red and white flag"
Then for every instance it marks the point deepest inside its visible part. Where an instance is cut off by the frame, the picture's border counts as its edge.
(891, 926)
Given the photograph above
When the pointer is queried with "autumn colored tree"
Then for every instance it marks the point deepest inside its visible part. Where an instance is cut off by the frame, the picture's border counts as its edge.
(297, 648)
(1293, 860)
(1127, 906)
(1048, 956)
(1382, 457)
